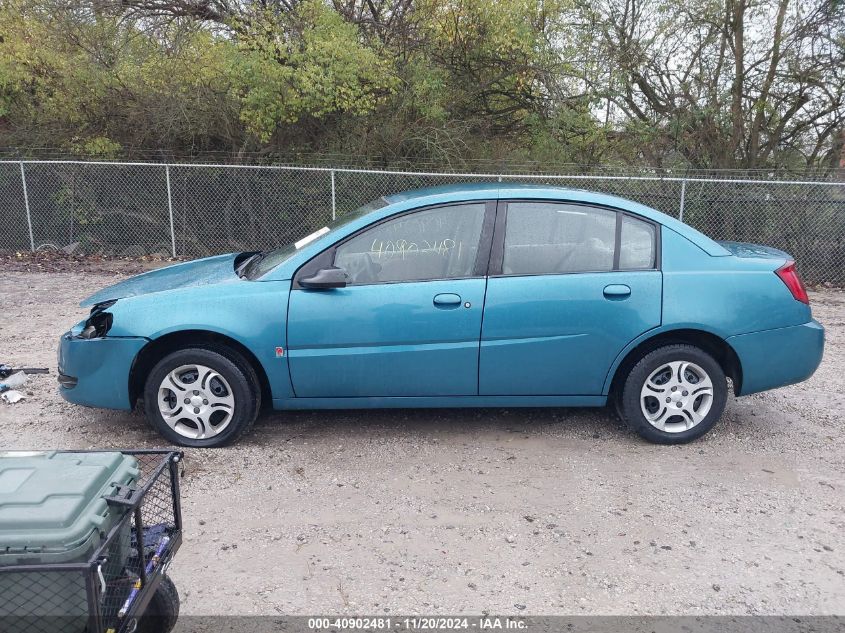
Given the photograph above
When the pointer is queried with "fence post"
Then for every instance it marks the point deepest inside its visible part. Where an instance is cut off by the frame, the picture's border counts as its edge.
(26, 204)
(170, 209)
(683, 199)
(334, 199)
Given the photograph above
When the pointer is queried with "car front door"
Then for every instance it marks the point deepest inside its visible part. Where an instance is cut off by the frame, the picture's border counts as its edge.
(408, 322)
(570, 286)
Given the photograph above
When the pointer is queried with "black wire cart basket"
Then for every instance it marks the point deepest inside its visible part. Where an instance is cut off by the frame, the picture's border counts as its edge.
(109, 579)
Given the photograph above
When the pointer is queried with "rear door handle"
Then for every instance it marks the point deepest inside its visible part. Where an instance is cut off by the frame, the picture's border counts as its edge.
(447, 300)
(617, 291)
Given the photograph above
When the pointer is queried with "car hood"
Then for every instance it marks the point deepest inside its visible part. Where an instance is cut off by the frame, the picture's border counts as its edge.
(200, 272)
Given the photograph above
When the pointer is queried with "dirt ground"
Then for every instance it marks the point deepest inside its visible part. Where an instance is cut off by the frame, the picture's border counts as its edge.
(506, 511)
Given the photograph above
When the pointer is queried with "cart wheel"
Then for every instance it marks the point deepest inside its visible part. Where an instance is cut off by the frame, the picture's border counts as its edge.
(162, 610)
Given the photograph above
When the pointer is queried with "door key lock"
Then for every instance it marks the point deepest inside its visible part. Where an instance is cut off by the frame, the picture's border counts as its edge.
(467, 305)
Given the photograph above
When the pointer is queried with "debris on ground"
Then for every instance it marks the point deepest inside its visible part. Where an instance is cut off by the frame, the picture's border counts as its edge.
(11, 396)
(17, 379)
(8, 370)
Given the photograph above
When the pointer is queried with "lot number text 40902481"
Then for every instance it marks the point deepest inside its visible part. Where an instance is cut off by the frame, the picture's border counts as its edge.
(416, 623)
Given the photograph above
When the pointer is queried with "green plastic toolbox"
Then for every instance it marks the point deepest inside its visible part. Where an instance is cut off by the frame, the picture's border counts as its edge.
(53, 511)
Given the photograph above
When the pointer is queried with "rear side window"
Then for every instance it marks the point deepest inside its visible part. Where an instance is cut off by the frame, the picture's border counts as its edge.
(637, 244)
(549, 238)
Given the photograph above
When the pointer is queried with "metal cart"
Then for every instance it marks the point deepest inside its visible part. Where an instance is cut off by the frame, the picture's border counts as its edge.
(86, 538)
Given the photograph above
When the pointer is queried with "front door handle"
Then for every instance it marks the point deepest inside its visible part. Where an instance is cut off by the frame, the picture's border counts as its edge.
(617, 291)
(447, 300)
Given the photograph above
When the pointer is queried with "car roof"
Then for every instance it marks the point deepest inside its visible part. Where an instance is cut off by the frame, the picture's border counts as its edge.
(490, 188)
(504, 190)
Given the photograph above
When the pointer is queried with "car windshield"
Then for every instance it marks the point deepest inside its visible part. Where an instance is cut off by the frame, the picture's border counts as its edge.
(262, 263)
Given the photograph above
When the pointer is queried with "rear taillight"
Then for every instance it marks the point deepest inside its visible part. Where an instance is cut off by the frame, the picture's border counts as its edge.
(789, 276)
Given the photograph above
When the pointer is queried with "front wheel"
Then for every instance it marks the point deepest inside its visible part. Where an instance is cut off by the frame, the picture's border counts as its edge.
(202, 397)
(674, 394)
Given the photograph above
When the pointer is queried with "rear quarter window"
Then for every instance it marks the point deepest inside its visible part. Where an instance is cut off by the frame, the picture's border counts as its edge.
(637, 244)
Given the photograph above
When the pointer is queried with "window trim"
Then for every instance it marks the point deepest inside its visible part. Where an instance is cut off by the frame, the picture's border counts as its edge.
(326, 257)
(498, 251)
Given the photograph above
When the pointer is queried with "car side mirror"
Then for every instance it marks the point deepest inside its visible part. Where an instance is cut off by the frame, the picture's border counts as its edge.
(326, 278)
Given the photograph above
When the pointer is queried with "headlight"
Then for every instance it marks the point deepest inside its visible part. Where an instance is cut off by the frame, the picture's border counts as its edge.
(99, 323)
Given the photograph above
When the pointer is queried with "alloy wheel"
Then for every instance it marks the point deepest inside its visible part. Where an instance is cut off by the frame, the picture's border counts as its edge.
(196, 401)
(676, 396)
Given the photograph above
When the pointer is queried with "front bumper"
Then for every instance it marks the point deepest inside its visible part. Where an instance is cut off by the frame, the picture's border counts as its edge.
(774, 358)
(95, 372)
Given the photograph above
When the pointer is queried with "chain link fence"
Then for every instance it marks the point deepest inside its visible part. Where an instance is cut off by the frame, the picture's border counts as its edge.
(193, 210)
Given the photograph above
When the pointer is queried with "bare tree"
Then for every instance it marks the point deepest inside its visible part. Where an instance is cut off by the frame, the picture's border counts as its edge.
(726, 83)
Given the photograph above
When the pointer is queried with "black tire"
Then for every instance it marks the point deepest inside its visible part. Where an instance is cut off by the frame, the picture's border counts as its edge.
(631, 410)
(240, 377)
(162, 610)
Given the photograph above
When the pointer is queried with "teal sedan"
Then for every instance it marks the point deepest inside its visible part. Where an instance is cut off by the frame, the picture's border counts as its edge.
(465, 296)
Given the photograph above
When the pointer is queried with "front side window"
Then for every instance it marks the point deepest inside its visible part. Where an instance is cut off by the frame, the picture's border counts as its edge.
(549, 238)
(439, 243)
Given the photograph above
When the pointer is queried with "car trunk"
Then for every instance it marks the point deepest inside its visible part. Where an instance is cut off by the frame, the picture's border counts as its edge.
(759, 251)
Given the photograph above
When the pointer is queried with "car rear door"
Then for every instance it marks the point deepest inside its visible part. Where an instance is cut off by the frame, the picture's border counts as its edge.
(570, 286)
(409, 321)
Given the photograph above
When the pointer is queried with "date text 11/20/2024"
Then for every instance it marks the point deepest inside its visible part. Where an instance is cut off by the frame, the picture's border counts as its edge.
(417, 623)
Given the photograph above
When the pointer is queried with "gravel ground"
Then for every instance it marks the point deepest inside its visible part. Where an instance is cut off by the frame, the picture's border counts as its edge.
(507, 511)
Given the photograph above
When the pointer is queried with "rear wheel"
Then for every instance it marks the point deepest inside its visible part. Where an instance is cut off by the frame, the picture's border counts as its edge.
(162, 610)
(674, 394)
(202, 397)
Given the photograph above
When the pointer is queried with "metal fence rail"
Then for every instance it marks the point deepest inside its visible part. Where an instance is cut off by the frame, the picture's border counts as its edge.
(192, 210)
